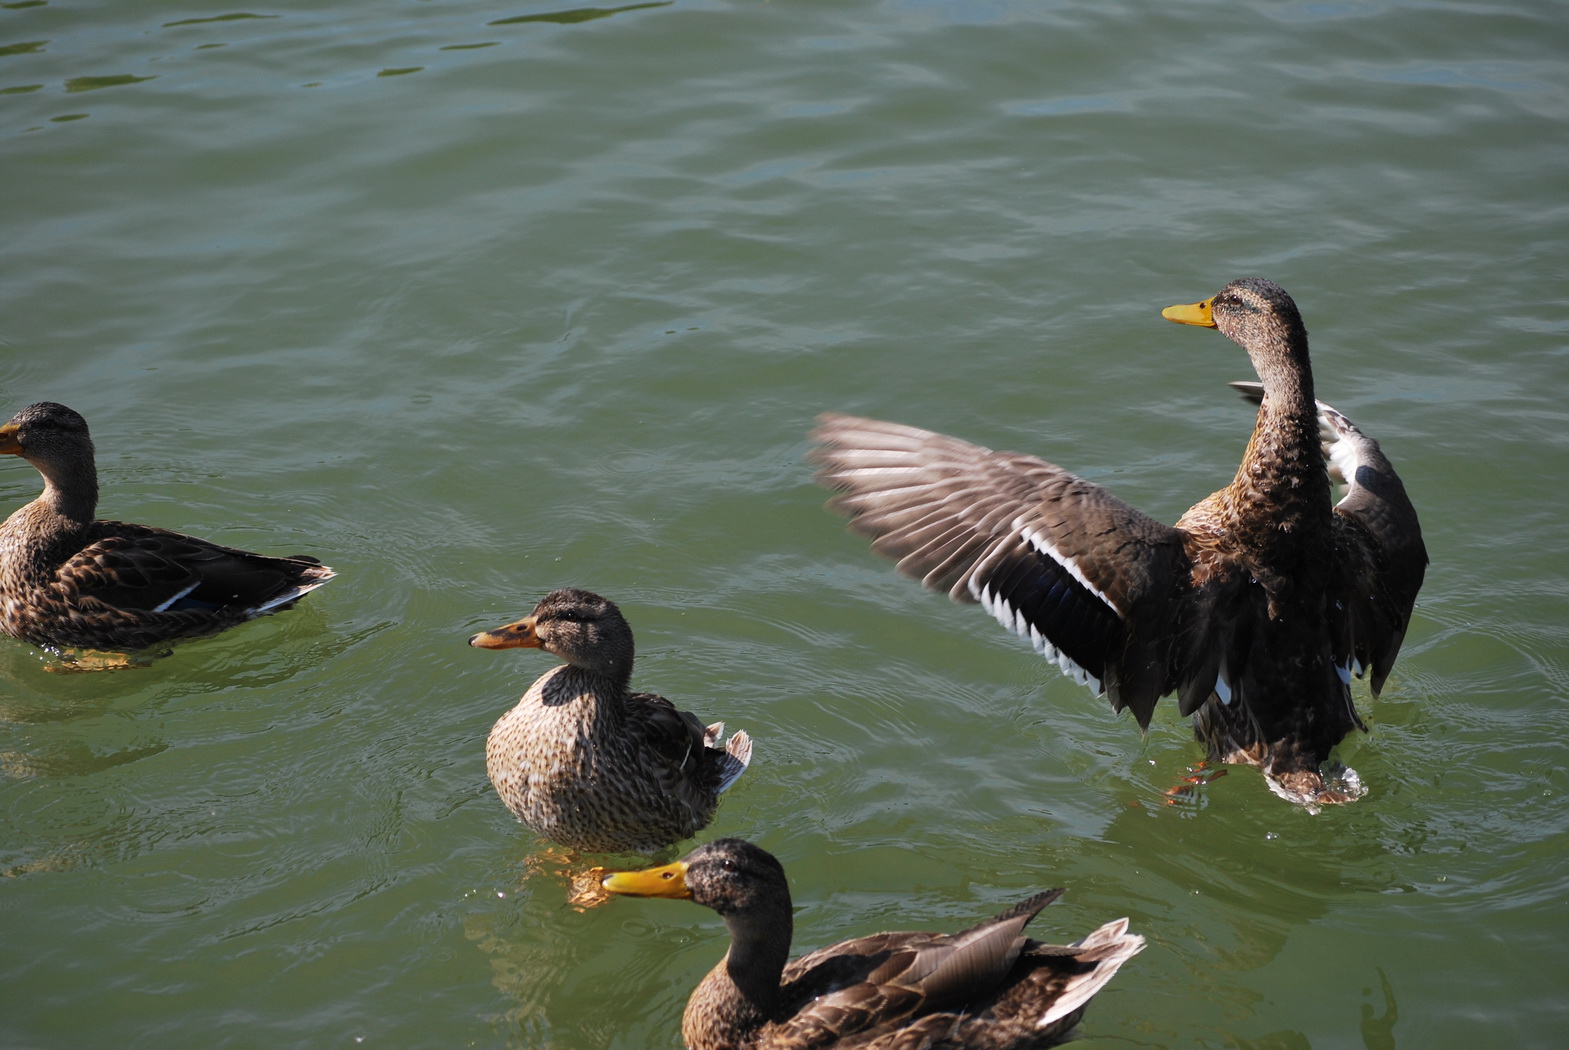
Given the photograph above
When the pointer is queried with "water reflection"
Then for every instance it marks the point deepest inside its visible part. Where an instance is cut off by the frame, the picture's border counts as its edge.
(79, 84)
(1378, 1031)
(541, 957)
(579, 14)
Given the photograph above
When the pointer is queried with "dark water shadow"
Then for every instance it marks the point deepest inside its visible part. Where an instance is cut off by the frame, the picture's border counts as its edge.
(575, 15)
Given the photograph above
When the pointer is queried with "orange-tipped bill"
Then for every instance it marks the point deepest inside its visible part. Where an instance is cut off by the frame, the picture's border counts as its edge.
(666, 881)
(9, 445)
(518, 635)
(1196, 313)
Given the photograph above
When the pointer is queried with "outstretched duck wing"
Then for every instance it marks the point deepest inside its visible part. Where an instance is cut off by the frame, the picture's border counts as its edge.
(1087, 579)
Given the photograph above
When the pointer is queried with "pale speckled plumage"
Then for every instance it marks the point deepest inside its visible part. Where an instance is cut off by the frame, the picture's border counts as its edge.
(1252, 609)
(985, 988)
(71, 581)
(588, 764)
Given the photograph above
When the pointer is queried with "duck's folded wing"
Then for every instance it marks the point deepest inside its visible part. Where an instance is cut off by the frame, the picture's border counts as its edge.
(887, 978)
(829, 1000)
(673, 749)
(137, 567)
(676, 737)
(1084, 577)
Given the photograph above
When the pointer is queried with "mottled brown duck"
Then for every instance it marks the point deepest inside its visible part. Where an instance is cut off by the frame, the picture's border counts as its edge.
(987, 987)
(586, 763)
(69, 581)
(1255, 609)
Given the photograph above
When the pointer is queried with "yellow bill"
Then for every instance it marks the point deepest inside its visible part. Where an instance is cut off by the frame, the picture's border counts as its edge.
(1195, 313)
(666, 881)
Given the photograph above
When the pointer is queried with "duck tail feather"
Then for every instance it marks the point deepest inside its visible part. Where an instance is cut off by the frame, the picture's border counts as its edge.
(1108, 948)
(738, 755)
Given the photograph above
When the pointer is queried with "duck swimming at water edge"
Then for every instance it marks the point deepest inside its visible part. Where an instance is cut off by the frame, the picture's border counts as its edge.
(69, 581)
(987, 987)
(1256, 608)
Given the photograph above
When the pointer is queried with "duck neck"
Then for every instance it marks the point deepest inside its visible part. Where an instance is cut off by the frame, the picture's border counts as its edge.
(1288, 378)
(594, 702)
(1278, 503)
(742, 993)
(70, 489)
(759, 946)
(609, 660)
(1283, 467)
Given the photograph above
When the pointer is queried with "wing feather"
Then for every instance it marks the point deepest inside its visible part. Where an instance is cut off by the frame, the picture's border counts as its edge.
(888, 978)
(682, 755)
(146, 569)
(1084, 577)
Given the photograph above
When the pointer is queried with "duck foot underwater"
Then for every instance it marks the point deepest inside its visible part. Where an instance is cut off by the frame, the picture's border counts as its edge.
(584, 883)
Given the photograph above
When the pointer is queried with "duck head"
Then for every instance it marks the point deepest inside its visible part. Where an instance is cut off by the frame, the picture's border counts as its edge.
(46, 432)
(580, 627)
(1257, 315)
(731, 876)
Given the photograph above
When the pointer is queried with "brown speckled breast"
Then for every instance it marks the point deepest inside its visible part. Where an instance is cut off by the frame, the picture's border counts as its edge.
(564, 768)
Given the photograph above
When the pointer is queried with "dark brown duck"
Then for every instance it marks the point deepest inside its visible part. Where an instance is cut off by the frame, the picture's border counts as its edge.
(989, 987)
(1255, 609)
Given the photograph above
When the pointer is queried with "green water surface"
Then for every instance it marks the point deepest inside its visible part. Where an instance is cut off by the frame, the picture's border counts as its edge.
(472, 300)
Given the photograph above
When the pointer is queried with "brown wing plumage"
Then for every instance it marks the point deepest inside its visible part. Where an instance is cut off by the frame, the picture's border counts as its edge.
(989, 986)
(883, 980)
(133, 587)
(681, 755)
(1380, 542)
(1381, 559)
(1087, 579)
(138, 567)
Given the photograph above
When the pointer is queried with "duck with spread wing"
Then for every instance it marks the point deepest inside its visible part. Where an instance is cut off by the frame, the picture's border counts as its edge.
(1255, 609)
